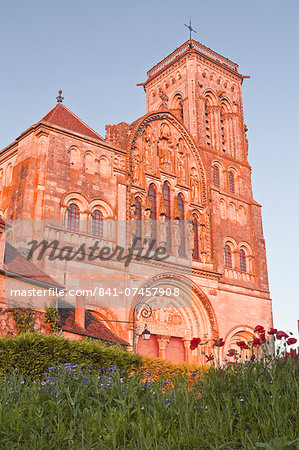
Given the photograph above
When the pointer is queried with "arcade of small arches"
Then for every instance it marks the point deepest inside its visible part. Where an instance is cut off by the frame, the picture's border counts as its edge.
(222, 120)
(88, 162)
(226, 179)
(6, 175)
(238, 256)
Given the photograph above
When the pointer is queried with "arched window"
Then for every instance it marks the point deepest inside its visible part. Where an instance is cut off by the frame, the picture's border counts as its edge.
(152, 195)
(216, 176)
(73, 217)
(97, 223)
(242, 260)
(138, 217)
(231, 182)
(166, 199)
(227, 257)
(182, 226)
(178, 106)
(195, 231)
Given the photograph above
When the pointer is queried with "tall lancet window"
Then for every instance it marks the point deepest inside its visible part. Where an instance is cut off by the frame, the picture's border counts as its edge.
(195, 238)
(73, 217)
(152, 195)
(97, 223)
(227, 257)
(216, 176)
(138, 217)
(182, 226)
(242, 260)
(231, 182)
(166, 199)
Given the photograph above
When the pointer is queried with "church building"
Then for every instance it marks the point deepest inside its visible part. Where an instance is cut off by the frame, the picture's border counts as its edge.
(184, 163)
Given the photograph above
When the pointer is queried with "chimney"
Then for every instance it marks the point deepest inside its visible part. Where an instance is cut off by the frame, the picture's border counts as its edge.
(80, 311)
(2, 242)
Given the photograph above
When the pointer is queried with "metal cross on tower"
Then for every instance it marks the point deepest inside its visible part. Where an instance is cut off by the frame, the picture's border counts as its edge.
(59, 98)
(190, 28)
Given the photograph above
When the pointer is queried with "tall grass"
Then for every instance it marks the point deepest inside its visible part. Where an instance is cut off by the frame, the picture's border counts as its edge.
(250, 405)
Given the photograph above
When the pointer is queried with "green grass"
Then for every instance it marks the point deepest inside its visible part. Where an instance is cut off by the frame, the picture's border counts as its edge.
(249, 406)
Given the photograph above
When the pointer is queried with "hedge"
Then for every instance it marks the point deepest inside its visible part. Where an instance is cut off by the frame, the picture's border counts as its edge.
(159, 368)
(33, 353)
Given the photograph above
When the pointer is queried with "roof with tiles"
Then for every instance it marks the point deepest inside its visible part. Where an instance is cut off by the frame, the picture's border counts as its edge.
(61, 116)
(18, 265)
(93, 327)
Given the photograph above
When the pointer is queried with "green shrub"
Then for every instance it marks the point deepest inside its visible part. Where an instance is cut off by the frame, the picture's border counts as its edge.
(32, 353)
(157, 368)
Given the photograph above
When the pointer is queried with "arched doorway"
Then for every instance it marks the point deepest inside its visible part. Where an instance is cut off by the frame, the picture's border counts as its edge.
(175, 319)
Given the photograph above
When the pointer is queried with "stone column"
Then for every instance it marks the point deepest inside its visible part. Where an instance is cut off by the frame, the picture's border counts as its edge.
(163, 342)
(236, 128)
(80, 311)
(188, 354)
(218, 128)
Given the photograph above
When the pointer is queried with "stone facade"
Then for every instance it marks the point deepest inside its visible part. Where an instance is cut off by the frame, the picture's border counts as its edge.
(185, 159)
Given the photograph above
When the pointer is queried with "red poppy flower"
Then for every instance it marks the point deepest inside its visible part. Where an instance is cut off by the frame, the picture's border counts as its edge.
(219, 342)
(281, 334)
(259, 329)
(258, 341)
(292, 354)
(209, 357)
(231, 352)
(194, 343)
(252, 357)
(272, 331)
(291, 341)
(242, 345)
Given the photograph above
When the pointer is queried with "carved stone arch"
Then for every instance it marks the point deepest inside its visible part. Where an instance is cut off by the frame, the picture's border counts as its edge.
(226, 105)
(104, 206)
(198, 312)
(237, 333)
(177, 106)
(141, 197)
(154, 182)
(211, 98)
(231, 242)
(175, 97)
(172, 121)
(77, 198)
(247, 248)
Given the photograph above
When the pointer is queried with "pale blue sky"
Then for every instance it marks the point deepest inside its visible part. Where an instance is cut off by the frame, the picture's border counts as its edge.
(97, 51)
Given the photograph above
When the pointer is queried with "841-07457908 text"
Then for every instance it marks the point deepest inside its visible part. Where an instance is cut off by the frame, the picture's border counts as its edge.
(147, 292)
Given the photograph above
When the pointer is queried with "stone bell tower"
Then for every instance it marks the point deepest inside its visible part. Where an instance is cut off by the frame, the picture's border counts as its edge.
(203, 89)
